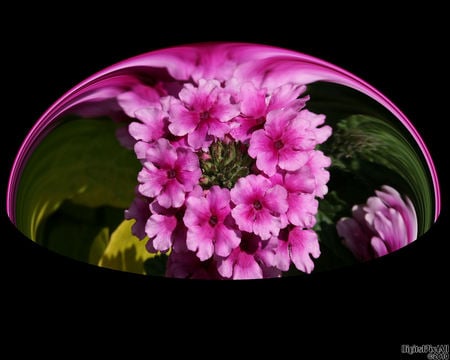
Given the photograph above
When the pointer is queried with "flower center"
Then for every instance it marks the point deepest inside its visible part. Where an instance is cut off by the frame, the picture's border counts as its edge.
(249, 243)
(171, 173)
(204, 115)
(213, 220)
(224, 163)
(278, 144)
(257, 205)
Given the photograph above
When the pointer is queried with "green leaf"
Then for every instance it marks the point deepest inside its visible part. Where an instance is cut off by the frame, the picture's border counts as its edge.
(125, 251)
(98, 246)
(80, 160)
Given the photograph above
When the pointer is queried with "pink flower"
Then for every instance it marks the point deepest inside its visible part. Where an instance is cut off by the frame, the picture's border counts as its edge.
(153, 124)
(297, 245)
(257, 103)
(169, 173)
(259, 205)
(202, 113)
(252, 259)
(285, 140)
(384, 224)
(211, 229)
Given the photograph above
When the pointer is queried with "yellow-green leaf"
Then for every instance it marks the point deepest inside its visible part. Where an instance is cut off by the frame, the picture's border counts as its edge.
(125, 251)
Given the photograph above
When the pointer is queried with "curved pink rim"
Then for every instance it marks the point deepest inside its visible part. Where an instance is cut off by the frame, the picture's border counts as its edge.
(181, 60)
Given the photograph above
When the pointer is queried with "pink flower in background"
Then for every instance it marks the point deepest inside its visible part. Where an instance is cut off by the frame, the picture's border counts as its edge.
(259, 205)
(386, 223)
(211, 228)
(169, 173)
(201, 113)
(252, 259)
(297, 245)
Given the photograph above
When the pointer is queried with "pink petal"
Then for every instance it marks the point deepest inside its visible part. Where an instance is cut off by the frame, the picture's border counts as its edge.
(140, 97)
(197, 138)
(322, 134)
(152, 180)
(304, 244)
(285, 94)
(282, 257)
(172, 195)
(300, 181)
(200, 240)
(302, 210)
(259, 142)
(161, 227)
(291, 160)
(140, 149)
(182, 121)
(218, 129)
(225, 240)
(218, 199)
(197, 211)
(379, 246)
(246, 267)
(249, 188)
(275, 199)
(265, 225)
(267, 162)
(225, 266)
(162, 153)
(253, 100)
(244, 216)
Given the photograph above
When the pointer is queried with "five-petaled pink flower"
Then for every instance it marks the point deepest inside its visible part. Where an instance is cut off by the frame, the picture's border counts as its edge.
(386, 223)
(256, 103)
(287, 137)
(211, 228)
(259, 205)
(202, 113)
(169, 173)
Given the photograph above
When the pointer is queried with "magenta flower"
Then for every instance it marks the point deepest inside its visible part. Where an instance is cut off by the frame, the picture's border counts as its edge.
(256, 103)
(297, 245)
(259, 205)
(252, 259)
(169, 173)
(211, 229)
(384, 224)
(287, 137)
(202, 113)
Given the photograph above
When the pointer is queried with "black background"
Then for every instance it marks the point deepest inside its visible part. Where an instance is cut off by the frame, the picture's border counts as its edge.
(374, 307)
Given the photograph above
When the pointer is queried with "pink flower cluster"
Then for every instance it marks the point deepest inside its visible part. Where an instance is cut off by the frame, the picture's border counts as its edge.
(262, 223)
